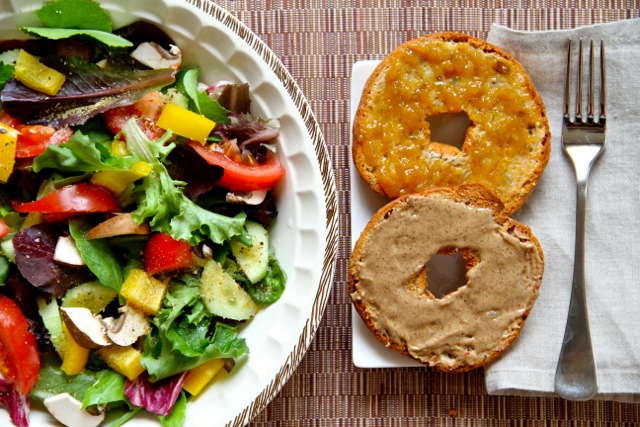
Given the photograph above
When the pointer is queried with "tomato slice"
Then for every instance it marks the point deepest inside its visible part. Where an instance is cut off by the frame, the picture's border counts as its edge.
(34, 140)
(19, 359)
(146, 111)
(76, 198)
(4, 229)
(163, 253)
(241, 177)
(9, 120)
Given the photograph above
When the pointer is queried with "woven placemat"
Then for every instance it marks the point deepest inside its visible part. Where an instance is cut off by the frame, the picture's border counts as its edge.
(318, 41)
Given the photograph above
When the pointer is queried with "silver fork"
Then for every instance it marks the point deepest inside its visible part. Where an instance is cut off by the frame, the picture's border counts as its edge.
(583, 141)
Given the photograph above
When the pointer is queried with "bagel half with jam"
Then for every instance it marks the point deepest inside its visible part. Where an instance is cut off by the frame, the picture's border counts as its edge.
(506, 146)
(470, 326)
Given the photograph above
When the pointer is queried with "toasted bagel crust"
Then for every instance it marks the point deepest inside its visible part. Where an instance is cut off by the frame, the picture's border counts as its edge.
(506, 147)
(470, 326)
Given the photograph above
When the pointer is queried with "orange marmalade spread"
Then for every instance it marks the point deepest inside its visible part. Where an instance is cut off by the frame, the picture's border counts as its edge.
(425, 79)
(467, 324)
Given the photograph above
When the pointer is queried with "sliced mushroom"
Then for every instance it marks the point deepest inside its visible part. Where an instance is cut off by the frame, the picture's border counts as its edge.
(155, 56)
(68, 410)
(118, 225)
(85, 328)
(66, 252)
(130, 326)
(248, 198)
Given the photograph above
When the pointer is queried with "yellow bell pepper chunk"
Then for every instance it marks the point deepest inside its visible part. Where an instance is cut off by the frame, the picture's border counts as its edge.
(37, 76)
(144, 291)
(124, 360)
(185, 123)
(8, 139)
(119, 148)
(74, 356)
(118, 180)
(202, 375)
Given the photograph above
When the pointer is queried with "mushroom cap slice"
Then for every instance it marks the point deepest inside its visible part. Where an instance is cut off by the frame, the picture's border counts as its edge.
(85, 328)
(118, 225)
(155, 56)
(68, 410)
(130, 326)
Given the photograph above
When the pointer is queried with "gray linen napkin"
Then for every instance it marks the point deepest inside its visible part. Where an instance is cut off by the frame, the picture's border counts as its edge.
(613, 221)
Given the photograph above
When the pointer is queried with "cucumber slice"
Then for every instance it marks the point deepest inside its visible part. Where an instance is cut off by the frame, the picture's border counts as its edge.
(91, 295)
(52, 320)
(253, 260)
(8, 250)
(223, 296)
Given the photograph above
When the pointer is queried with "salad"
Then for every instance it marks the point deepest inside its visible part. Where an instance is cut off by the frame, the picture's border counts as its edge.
(135, 204)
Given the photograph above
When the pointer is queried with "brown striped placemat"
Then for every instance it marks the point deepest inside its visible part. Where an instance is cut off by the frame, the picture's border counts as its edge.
(318, 41)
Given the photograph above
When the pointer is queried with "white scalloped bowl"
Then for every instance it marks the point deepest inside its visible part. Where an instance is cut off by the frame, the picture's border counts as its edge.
(305, 234)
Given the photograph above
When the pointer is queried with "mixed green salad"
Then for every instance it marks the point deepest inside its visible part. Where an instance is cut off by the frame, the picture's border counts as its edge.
(135, 204)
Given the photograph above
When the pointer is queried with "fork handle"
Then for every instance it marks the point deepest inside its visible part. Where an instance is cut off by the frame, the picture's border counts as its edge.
(576, 377)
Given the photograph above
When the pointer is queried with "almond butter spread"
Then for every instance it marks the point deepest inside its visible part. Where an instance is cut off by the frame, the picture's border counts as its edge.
(473, 321)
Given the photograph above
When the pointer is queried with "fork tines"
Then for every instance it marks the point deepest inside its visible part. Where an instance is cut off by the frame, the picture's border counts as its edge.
(591, 117)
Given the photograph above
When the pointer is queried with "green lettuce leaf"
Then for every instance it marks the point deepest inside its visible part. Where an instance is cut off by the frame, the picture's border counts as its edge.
(108, 39)
(162, 202)
(195, 224)
(86, 14)
(81, 154)
(182, 335)
(92, 387)
(6, 72)
(270, 288)
(107, 388)
(185, 322)
(178, 413)
(70, 18)
(199, 101)
(52, 381)
(97, 254)
(162, 361)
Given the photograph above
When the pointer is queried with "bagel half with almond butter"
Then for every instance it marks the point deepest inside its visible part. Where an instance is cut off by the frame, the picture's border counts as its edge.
(506, 147)
(470, 326)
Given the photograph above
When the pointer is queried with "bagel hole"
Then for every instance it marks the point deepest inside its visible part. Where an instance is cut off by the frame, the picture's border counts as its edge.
(449, 128)
(446, 272)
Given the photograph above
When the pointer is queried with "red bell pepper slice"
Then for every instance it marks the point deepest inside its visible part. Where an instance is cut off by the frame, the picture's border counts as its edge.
(76, 198)
(19, 359)
(241, 177)
(163, 253)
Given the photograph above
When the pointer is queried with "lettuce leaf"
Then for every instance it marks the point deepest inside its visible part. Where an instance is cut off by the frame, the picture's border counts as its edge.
(92, 387)
(199, 101)
(107, 388)
(162, 202)
(6, 72)
(270, 288)
(177, 415)
(53, 381)
(161, 361)
(182, 337)
(108, 39)
(86, 14)
(97, 254)
(81, 154)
